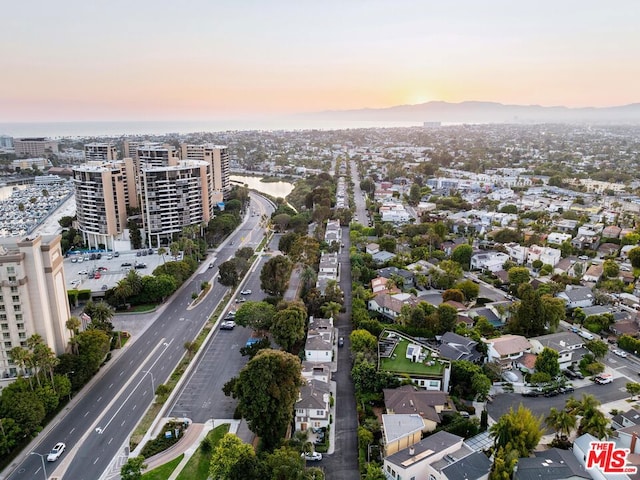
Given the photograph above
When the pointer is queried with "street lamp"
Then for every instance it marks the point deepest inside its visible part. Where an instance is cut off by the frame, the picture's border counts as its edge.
(153, 390)
(44, 468)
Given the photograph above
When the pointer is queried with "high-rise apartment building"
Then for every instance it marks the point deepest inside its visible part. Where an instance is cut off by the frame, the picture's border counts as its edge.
(218, 157)
(34, 147)
(173, 197)
(33, 297)
(100, 152)
(103, 191)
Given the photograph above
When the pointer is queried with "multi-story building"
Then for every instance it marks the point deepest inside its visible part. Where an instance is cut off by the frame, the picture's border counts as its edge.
(151, 155)
(100, 152)
(33, 297)
(218, 157)
(35, 147)
(103, 192)
(6, 141)
(173, 197)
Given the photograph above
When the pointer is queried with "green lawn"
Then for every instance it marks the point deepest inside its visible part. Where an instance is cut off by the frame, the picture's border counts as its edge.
(401, 364)
(197, 468)
(163, 471)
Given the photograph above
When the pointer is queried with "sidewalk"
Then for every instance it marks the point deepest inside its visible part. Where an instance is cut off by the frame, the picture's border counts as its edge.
(188, 445)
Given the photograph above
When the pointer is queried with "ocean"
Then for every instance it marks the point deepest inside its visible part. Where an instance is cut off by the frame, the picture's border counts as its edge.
(58, 130)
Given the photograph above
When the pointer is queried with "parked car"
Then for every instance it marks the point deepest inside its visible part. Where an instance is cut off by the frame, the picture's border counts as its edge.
(56, 451)
(245, 292)
(240, 300)
(228, 325)
(530, 393)
(603, 379)
(551, 393)
(105, 287)
(125, 264)
(82, 272)
(116, 254)
(621, 353)
(312, 456)
(566, 389)
(341, 342)
(211, 265)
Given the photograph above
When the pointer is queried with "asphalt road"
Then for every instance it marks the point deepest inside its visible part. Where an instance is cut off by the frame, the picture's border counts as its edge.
(98, 424)
(358, 197)
(201, 397)
(540, 406)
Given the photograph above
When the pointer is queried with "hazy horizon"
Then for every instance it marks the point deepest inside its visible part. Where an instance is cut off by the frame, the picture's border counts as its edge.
(197, 60)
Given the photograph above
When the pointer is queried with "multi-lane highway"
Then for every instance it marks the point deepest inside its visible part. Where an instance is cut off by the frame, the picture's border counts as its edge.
(100, 422)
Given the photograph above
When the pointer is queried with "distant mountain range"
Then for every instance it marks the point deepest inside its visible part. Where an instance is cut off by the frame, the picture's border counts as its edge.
(488, 112)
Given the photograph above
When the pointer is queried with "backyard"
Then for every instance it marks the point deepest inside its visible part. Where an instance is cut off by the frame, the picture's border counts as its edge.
(399, 363)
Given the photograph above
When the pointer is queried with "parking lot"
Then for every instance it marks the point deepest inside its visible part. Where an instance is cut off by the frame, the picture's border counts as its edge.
(85, 271)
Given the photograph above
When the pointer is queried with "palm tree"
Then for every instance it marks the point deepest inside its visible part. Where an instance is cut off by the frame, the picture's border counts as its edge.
(593, 420)
(101, 314)
(331, 309)
(73, 324)
(21, 357)
(162, 252)
(561, 421)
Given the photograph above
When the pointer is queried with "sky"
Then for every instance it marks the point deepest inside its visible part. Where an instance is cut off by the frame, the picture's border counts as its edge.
(103, 60)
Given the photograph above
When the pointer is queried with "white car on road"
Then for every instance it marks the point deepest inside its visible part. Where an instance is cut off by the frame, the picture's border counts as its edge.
(245, 292)
(621, 353)
(55, 452)
(312, 456)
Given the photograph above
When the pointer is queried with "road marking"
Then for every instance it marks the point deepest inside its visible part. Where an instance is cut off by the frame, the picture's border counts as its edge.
(123, 422)
(110, 440)
(96, 460)
(86, 414)
(134, 407)
(72, 430)
(111, 385)
(99, 399)
(121, 373)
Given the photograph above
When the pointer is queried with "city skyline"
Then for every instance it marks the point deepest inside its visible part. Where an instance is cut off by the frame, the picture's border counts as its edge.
(81, 61)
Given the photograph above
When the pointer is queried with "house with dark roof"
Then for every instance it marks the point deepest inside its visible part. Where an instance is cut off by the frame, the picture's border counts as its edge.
(457, 347)
(429, 405)
(408, 277)
(382, 257)
(552, 464)
(475, 466)
(626, 419)
(568, 345)
(418, 461)
(312, 406)
(577, 296)
(319, 344)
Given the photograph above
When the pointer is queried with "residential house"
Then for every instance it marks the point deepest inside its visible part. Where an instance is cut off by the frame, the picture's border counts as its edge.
(390, 306)
(566, 226)
(611, 231)
(568, 345)
(475, 466)
(547, 255)
(517, 252)
(428, 458)
(407, 357)
(400, 431)
(457, 347)
(382, 257)
(608, 250)
(408, 277)
(317, 371)
(372, 248)
(507, 349)
(491, 261)
(319, 344)
(313, 404)
(593, 273)
(381, 285)
(626, 419)
(429, 405)
(551, 464)
(577, 296)
(557, 238)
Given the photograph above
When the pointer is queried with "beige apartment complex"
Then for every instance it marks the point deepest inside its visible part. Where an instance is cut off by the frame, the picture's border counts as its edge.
(218, 157)
(34, 147)
(33, 297)
(100, 152)
(103, 191)
(171, 192)
(174, 197)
